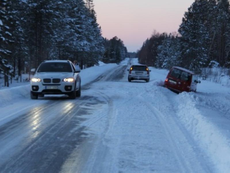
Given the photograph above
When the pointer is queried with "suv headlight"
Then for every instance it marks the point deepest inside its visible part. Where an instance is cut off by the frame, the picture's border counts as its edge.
(68, 79)
(36, 79)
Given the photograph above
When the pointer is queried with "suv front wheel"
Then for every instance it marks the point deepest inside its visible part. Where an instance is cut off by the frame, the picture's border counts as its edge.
(78, 92)
(33, 95)
(72, 95)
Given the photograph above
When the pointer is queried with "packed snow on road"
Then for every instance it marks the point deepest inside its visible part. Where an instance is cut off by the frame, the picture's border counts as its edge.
(129, 126)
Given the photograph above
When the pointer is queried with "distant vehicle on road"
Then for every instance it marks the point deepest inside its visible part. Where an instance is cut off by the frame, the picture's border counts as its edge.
(56, 77)
(180, 79)
(139, 72)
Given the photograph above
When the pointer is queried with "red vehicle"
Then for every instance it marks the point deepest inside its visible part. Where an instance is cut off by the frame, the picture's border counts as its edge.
(180, 79)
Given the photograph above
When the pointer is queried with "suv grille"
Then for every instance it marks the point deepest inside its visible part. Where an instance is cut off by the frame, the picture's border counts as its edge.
(55, 80)
(47, 80)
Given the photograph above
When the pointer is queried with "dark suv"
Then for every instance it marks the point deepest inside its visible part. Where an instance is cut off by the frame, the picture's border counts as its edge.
(139, 72)
(56, 77)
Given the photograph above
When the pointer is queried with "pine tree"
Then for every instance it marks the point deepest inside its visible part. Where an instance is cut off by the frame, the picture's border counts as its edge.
(195, 36)
(34, 30)
(211, 25)
(115, 51)
(168, 53)
(5, 40)
(19, 52)
(40, 21)
(223, 33)
(79, 34)
(149, 51)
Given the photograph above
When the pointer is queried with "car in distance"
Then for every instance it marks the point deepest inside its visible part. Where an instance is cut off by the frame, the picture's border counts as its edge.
(139, 72)
(56, 77)
(180, 79)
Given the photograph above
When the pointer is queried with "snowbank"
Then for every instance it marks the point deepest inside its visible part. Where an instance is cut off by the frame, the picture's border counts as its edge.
(14, 93)
(208, 134)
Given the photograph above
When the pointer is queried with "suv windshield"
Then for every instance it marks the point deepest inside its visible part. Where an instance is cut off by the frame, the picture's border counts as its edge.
(55, 67)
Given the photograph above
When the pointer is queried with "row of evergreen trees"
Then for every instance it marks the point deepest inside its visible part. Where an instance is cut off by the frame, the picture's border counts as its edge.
(115, 50)
(35, 30)
(204, 36)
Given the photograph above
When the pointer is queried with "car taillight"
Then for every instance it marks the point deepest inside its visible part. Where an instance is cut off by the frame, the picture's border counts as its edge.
(166, 80)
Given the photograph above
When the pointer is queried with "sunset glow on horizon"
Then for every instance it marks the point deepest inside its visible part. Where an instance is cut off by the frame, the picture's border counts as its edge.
(134, 21)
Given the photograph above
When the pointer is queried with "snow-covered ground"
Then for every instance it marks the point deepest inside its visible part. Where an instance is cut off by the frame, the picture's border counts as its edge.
(190, 131)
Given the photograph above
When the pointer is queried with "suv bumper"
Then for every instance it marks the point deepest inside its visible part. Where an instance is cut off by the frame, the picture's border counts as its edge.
(135, 77)
(63, 88)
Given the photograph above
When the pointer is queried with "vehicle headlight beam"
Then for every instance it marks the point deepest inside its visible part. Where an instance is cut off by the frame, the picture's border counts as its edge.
(69, 80)
(35, 79)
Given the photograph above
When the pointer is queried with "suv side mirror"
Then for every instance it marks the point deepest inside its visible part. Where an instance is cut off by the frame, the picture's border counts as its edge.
(197, 81)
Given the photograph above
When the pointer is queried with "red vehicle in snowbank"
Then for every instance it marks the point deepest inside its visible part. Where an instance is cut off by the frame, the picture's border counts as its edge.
(180, 79)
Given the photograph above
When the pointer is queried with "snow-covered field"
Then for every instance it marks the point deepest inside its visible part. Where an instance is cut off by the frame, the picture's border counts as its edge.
(200, 121)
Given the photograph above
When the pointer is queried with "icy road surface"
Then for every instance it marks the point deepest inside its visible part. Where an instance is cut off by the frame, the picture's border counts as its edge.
(117, 126)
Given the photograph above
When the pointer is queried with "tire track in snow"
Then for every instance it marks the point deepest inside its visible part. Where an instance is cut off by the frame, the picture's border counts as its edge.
(175, 143)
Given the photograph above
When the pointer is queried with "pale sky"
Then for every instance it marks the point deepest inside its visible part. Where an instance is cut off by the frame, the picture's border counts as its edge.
(133, 21)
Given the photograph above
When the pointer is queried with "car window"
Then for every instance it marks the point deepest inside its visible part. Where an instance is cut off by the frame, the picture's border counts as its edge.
(175, 73)
(139, 68)
(55, 67)
(185, 76)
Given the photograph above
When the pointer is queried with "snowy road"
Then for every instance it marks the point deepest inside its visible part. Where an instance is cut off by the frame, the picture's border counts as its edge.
(141, 132)
(117, 126)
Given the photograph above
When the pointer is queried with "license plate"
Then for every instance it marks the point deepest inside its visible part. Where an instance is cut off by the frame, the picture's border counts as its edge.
(139, 73)
(51, 87)
(172, 81)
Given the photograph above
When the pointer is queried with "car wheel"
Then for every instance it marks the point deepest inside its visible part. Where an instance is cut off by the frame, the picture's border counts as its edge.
(72, 95)
(33, 95)
(78, 92)
(129, 80)
(147, 80)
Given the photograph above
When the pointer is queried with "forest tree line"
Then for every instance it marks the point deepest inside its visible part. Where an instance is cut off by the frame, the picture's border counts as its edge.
(35, 30)
(204, 37)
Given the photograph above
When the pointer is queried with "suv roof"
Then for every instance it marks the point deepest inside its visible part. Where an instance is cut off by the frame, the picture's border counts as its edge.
(183, 69)
(139, 65)
(56, 61)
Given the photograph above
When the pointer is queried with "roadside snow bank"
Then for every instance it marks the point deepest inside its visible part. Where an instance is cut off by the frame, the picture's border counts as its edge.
(91, 73)
(216, 146)
(14, 93)
(211, 87)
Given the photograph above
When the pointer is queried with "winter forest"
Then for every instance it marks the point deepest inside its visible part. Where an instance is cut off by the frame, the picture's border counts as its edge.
(203, 39)
(35, 30)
